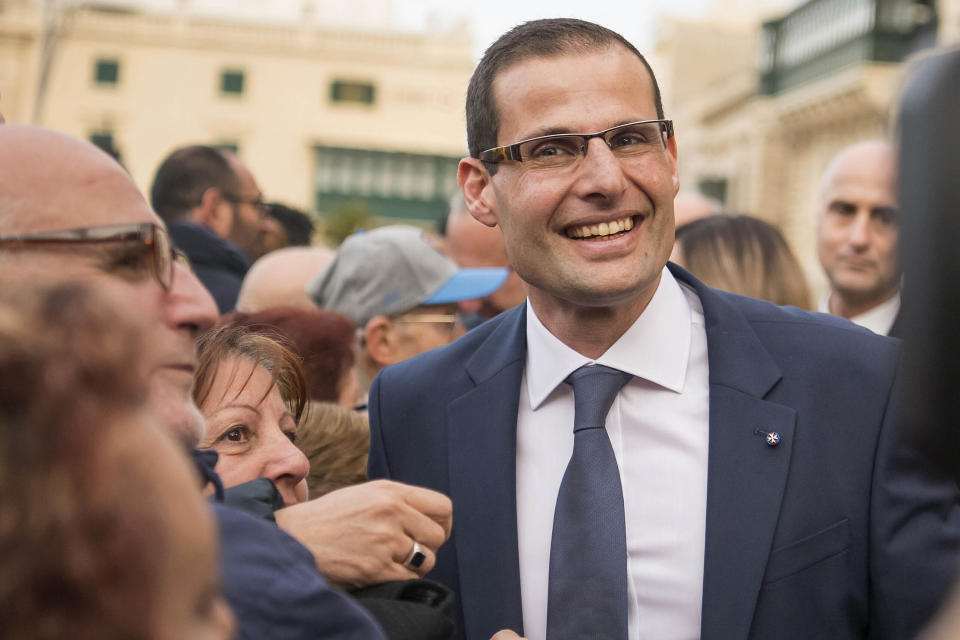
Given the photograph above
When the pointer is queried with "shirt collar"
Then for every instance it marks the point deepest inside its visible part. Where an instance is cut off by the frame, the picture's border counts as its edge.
(879, 319)
(656, 347)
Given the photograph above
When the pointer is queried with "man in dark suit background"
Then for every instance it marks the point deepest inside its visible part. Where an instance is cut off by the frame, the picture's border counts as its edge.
(761, 487)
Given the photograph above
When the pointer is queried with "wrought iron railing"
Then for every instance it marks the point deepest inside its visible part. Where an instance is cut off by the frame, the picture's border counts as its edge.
(822, 36)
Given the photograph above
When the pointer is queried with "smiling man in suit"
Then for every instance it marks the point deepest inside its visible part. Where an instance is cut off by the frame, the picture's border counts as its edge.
(632, 454)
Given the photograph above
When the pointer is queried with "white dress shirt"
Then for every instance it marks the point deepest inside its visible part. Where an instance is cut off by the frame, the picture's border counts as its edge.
(880, 319)
(658, 426)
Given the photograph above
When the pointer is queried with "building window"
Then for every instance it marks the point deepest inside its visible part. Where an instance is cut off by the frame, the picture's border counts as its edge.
(395, 185)
(106, 71)
(715, 188)
(231, 82)
(355, 92)
(228, 145)
(103, 139)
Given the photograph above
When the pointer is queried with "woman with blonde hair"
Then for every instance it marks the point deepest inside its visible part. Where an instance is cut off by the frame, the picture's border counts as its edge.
(335, 440)
(744, 255)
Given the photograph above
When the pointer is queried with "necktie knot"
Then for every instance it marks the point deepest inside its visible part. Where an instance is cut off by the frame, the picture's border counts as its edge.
(594, 389)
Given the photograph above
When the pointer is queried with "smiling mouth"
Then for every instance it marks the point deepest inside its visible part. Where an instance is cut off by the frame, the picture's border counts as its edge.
(602, 230)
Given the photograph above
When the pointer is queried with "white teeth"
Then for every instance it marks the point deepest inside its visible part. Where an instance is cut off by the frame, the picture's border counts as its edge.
(601, 229)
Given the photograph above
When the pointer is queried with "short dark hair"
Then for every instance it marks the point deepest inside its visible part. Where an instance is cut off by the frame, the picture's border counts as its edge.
(185, 175)
(537, 38)
(296, 224)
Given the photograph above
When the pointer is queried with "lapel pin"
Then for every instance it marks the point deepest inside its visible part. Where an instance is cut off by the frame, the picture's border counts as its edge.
(772, 437)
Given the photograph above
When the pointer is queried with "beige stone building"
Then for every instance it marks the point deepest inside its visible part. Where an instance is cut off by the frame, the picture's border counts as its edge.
(323, 113)
(762, 102)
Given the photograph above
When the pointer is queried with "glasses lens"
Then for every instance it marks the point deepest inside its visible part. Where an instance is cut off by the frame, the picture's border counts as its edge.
(163, 256)
(552, 151)
(635, 139)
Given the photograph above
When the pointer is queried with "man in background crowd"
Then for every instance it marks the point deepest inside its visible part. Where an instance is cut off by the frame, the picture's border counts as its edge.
(472, 244)
(294, 228)
(400, 292)
(858, 236)
(280, 278)
(215, 213)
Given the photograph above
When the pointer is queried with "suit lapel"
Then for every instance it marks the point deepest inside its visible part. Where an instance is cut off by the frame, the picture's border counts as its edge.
(482, 457)
(745, 475)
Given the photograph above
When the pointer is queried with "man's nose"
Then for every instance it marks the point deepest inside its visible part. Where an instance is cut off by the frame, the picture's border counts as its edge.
(189, 305)
(860, 230)
(600, 173)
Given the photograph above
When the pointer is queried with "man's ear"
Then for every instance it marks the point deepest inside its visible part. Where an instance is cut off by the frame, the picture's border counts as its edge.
(214, 211)
(380, 340)
(672, 153)
(476, 184)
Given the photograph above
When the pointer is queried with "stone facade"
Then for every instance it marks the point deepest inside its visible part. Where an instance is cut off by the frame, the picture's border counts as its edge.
(769, 149)
(281, 94)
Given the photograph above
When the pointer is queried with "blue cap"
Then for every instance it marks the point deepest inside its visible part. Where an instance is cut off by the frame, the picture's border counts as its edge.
(469, 283)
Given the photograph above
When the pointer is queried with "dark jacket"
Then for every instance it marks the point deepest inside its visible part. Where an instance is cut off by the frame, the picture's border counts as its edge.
(271, 581)
(273, 586)
(219, 265)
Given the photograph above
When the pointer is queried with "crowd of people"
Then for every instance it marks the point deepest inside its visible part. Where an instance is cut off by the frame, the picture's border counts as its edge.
(581, 416)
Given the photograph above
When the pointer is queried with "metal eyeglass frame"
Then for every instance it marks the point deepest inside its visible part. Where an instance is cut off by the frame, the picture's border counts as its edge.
(512, 151)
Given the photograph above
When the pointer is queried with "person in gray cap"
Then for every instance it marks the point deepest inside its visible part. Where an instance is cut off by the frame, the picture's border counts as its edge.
(401, 293)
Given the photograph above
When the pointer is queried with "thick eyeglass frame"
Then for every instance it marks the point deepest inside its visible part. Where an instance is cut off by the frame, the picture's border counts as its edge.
(511, 152)
(150, 234)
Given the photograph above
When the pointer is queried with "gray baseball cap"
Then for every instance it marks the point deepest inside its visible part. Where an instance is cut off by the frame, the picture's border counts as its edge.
(391, 270)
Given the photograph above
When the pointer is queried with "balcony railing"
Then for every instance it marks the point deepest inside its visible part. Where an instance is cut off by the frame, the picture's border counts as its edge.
(822, 36)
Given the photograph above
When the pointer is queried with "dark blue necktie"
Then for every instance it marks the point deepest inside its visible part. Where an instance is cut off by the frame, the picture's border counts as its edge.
(588, 552)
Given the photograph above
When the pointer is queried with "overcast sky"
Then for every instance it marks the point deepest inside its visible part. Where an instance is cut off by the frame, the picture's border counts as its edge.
(488, 19)
(636, 20)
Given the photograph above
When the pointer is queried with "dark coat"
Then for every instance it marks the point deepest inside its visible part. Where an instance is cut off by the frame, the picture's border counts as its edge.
(219, 265)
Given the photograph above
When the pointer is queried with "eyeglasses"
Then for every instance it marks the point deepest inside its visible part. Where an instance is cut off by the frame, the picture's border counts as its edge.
(147, 235)
(448, 319)
(562, 150)
(257, 203)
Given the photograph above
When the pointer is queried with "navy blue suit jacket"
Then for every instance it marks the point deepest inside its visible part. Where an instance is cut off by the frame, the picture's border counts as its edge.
(273, 586)
(838, 532)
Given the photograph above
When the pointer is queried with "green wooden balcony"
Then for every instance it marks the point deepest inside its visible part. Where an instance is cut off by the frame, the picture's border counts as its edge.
(821, 37)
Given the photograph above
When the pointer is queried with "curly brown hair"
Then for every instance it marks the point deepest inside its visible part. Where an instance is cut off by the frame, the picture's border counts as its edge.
(335, 440)
(81, 542)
